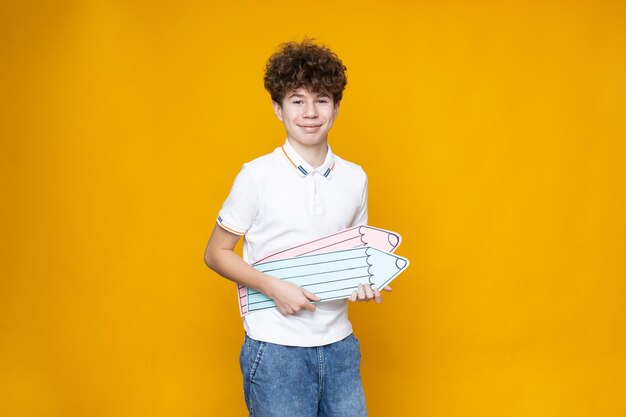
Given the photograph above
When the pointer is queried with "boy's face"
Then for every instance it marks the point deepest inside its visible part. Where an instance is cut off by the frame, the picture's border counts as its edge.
(307, 116)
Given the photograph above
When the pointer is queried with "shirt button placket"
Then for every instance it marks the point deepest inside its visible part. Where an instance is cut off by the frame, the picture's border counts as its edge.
(318, 208)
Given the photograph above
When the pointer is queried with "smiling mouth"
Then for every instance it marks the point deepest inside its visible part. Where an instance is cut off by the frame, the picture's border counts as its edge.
(311, 129)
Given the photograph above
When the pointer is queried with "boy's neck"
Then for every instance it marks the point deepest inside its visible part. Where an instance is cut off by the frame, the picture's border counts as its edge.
(315, 155)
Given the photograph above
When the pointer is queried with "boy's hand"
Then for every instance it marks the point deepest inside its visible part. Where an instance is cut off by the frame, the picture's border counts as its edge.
(291, 298)
(365, 293)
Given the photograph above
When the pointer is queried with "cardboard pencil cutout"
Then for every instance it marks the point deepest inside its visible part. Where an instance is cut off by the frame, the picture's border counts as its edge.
(331, 275)
(331, 267)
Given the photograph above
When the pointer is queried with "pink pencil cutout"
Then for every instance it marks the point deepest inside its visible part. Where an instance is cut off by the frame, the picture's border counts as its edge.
(354, 237)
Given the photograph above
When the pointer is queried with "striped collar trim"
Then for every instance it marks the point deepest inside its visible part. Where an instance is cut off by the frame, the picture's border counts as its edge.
(303, 168)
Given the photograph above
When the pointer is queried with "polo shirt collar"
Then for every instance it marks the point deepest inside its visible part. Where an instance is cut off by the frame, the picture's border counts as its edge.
(303, 168)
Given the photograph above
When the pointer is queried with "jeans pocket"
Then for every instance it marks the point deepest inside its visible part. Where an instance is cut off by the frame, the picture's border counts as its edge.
(357, 347)
(256, 355)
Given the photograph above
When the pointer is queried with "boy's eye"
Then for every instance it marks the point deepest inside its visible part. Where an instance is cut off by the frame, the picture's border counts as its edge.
(297, 101)
(322, 100)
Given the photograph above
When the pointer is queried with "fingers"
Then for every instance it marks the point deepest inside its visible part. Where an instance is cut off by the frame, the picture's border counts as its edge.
(310, 295)
(305, 304)
(377, 297)
(289, 311)
(369, 294)
(360, 292)
(294, 299)
(284, 310)
(366, 293)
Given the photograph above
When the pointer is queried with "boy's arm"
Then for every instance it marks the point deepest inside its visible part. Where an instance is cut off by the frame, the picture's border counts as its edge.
(221, 258)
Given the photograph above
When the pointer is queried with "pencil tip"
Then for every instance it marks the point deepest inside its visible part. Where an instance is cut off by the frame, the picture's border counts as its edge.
(393, 240)
(401, 263)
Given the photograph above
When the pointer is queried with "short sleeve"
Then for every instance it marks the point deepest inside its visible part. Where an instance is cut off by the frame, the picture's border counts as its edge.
(240, 208)
(361, 216)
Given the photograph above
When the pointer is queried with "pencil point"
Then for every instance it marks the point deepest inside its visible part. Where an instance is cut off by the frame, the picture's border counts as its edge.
(401, 263)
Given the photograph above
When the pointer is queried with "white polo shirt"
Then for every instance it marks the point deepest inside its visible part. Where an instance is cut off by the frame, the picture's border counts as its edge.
(279, 201)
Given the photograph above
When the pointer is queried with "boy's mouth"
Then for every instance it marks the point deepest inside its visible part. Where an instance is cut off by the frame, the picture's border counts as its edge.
(310, 128)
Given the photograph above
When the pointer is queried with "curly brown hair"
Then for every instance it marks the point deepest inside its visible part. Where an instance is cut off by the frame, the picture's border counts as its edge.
(305, 64)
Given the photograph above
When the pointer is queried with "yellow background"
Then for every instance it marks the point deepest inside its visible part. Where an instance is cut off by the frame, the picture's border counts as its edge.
(493, 136)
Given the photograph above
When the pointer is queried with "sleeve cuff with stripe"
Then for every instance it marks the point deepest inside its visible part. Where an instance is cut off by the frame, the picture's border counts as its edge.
(229, 227)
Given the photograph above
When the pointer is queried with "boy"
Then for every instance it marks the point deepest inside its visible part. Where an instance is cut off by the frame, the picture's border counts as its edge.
(300, 359)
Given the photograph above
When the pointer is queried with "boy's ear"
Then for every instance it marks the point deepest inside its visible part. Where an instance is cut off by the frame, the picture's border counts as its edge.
(278, 110)
(336, 110)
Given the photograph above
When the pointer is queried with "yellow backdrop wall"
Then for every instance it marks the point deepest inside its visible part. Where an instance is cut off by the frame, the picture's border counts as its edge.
(493, 136)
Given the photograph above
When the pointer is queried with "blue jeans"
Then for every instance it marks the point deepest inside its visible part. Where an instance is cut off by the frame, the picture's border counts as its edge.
(288, 381)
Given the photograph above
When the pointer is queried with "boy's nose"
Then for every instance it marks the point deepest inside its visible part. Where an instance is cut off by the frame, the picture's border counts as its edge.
(310, 110)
